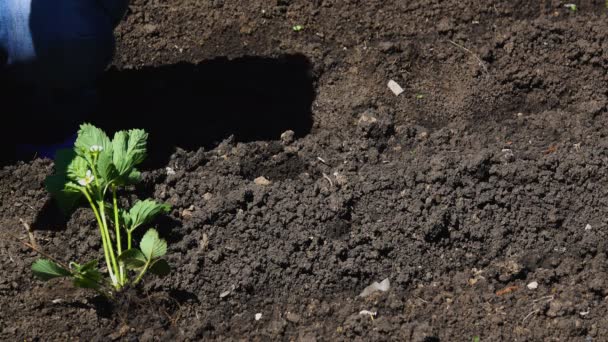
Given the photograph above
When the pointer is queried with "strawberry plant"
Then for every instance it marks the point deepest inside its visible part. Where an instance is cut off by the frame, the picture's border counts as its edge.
(94, 170)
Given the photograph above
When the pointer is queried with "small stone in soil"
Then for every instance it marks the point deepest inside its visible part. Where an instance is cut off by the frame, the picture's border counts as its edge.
(258, 316)
(383, 286)
(533, 285)
(364, 120)
(262, 181)
(187, 213)
(369, 313)
(395, 88)
(287, 137)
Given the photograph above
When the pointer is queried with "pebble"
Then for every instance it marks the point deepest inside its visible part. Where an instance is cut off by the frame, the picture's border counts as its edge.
(366, 120)
(262, 181)
(371, 314)
(395, 88)
(533, 285)
(383, 286)
(287, 137)
(187, 213)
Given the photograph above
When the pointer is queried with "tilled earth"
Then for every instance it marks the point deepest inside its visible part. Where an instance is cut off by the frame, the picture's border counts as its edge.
(485, 177)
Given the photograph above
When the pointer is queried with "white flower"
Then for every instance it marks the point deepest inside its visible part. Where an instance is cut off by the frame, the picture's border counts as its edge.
(88, 178)
(96, 148)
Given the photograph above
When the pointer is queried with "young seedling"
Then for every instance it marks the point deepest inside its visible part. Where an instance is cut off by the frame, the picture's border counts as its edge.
(95, 170)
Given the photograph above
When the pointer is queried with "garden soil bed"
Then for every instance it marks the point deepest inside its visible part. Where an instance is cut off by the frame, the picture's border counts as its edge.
(488, 173)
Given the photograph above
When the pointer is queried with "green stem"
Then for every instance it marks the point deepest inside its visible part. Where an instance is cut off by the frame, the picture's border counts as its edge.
(115, 274)
(118, 237)
(130, 231)
(141, 274)
(102, 213)
(103, 236)
(116, 222)
(129, 238)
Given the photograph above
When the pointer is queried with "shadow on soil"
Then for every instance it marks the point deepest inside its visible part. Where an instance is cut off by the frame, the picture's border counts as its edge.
(192, 106)
(197, 105)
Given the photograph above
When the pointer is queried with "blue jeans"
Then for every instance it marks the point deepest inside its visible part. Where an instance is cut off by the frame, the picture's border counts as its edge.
(58, 43)
(58, 48)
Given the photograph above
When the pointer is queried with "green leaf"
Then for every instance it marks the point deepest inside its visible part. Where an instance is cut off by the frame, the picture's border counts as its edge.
(119, 145)
(86, 283)
(129, 150)
(152, 246)
(87, 276)
(133, 258)
(126, 218)
(144, 212)
(105, 167)
(47, 269)
(91, 265)
(133, 177)
(77, 169)
(58, 184)
(161, 268)
(63, 158)
(55, 183)
(89, 136)
(67, 201)
(138, 139)
(67, 198)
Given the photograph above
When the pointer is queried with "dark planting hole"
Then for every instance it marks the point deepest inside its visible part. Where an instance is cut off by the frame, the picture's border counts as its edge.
(190, 105)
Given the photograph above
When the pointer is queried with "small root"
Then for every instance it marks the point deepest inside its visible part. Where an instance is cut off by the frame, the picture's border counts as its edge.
(530, 314)
(329, 180)
(481, 63)
(30, 233)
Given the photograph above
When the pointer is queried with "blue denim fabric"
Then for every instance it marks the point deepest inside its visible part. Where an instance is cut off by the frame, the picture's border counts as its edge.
(60, 48)
(58, 43)
(15, 34)
(27, 151)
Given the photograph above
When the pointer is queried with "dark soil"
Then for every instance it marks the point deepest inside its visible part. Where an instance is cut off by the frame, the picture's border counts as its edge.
(487, 174)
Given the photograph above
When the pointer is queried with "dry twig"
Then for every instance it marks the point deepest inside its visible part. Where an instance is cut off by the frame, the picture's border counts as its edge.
(530, 314)
(481, 63)
(328, 179)
(30, 233)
